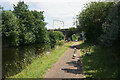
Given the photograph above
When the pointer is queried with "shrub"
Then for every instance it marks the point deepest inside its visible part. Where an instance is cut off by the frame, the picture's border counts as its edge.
(74, 37)
(10, 32)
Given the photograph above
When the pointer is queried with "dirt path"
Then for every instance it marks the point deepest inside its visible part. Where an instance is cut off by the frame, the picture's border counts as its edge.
(66, 66)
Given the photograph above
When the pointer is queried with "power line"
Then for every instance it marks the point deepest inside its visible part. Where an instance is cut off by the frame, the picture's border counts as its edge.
(59, 21)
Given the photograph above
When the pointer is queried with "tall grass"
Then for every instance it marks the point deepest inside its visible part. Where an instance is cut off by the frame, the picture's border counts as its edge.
(101, 64)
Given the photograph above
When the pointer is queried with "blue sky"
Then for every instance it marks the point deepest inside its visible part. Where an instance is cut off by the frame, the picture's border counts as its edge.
(64, 10)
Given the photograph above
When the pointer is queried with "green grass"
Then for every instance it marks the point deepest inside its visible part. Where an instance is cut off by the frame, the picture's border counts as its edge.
(40, 66)
(101, 64)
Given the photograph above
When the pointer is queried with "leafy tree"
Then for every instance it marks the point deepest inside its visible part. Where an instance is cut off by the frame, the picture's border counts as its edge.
(26, 18)
(39, 30)
(26, 27)
(55, 36)
(59, 29)
(31, 25)
(41, 35)
(92, 18)
(26, 21)
(110, 28)
(71, 29)
(59, 35)
(10, 27)
(52, 37)
(28, 38)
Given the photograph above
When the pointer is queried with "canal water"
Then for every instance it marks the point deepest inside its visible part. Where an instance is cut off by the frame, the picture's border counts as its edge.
(15, 59)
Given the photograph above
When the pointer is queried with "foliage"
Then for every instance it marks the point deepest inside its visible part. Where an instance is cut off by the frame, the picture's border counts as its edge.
(55, 36)
(92, 18)
(24, 27)
(28, 38)
(59, 35)
(26, 22)
(111, 28)
(102, 63)
(52, 37)
(107, 33)
(10, 27)
(74, 37)
(59, 29)
(39, 30)
(38, 67)
(41, 35)
(71, 29)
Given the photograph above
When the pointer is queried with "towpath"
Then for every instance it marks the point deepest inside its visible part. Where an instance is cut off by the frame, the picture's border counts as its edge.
(66, 66)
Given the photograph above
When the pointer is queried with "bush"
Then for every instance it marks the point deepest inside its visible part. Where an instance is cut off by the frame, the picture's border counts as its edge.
(92, 18)
(59, 35)
(23, 27)
(55, 36)
(41, 35)
(28, 38)
(110, 28)
(74, 37)
(10, 32)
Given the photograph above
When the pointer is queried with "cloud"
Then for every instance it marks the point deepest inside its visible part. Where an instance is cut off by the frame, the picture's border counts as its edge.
(64, 10)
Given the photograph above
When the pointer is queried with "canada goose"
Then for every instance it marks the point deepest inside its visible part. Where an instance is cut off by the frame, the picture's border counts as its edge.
(74, 55)
(75, 49)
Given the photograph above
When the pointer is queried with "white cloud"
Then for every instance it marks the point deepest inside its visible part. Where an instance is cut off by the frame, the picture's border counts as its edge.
(63, 10)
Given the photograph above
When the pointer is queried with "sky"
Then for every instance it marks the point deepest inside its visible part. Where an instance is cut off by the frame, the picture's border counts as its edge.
(63, 10)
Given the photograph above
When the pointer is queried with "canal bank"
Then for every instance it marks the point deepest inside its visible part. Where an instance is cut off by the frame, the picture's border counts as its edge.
(39, 66)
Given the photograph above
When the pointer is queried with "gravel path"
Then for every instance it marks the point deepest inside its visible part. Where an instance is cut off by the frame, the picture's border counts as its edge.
(66, 66)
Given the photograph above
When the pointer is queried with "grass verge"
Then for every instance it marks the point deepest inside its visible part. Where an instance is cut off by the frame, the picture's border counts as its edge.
(40, 66)
(101, 64)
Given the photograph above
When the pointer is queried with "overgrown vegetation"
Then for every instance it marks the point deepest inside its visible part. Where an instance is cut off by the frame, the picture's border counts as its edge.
(74, 37)
(102, 64)
(55, 36)
(40, 66)
(24, 27)
(100, 22)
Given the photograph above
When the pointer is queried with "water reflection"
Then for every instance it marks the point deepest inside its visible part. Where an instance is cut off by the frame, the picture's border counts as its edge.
(17, 58)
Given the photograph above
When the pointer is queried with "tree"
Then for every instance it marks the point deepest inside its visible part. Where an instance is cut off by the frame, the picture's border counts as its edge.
(110, 28)
(26, 22)
(32, 25)
(10, 31)
(60, 35)
(39, 29)
(55, 36)
(41, 35)
(52, 37)
(92, 18)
